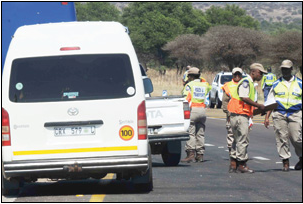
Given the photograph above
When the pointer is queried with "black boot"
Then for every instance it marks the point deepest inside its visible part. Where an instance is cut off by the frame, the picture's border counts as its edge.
(299, 164)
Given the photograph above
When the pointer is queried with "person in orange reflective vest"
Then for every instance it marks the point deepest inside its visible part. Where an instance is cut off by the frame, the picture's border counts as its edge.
(228, 89)
(241, 108)
(196, 93)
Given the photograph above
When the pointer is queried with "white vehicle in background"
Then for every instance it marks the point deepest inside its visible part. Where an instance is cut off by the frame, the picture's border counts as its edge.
(73, 106)
(168, 119)
(216, 93)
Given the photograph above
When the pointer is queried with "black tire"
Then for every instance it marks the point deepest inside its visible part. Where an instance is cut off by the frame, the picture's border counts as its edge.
(211, 104)
(218, 103)
(171, 159)
(10, 187)
(144, 183)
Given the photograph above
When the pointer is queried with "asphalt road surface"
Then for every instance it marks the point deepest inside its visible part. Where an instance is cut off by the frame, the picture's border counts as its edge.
(198, 182)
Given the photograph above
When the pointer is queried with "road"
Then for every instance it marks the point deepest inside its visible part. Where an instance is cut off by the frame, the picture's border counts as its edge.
(198, 182)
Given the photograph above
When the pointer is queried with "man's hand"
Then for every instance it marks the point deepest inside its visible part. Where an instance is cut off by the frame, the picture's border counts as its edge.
(266, 123)
(262, 108)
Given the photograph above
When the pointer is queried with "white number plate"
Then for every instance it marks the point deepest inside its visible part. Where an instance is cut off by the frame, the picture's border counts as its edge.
(74, 131)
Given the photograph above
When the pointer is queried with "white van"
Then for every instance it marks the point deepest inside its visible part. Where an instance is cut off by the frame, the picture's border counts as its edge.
(73, 105)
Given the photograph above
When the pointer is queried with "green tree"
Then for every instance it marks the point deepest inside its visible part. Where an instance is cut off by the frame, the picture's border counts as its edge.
(231, 15)
(287, 45)
(277, 28)
(185, 50)
(97, 11)
(233, 46)
(153, 24)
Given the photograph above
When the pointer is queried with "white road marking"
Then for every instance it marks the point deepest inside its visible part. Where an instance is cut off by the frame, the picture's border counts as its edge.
(209, 145)
(261, 158)
(221, 147)
(278, 162)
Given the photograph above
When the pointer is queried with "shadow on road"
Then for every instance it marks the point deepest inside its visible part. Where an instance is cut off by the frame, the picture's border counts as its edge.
(83, 187)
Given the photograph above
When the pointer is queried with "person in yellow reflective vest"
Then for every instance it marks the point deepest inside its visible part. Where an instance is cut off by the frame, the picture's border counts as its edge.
(287, 118)
(185, 77)
(184, 91)
(196, 95)
(241, 108)
(228, 89)
(267, 82)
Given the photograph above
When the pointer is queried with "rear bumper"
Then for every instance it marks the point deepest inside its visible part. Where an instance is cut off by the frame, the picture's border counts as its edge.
(168, 137)
(63, 168)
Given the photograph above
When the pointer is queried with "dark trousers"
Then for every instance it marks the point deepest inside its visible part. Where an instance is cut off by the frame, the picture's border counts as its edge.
(266, 91)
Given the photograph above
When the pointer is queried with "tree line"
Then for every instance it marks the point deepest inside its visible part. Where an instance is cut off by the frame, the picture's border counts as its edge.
(175, 34)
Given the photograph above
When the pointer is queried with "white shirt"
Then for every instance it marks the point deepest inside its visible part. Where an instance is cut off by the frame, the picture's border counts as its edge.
(244, 89)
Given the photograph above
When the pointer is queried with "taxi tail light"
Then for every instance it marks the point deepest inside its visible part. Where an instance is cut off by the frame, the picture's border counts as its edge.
(6, 137)
(186, 110)
(142, 123)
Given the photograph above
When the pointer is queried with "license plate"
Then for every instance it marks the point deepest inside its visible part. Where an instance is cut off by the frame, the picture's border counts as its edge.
(74, 131)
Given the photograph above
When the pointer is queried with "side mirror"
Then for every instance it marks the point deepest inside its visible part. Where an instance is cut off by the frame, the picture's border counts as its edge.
(148, 85)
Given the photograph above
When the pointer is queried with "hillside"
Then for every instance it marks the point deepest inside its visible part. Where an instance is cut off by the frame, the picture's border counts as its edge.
(284, 12)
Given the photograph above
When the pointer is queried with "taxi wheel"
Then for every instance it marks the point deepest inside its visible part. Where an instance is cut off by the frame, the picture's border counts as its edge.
(144, 183)
(10, 187)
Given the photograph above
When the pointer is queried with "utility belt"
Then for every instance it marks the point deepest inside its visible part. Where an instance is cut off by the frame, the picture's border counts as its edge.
(266, 85)
(235, 114)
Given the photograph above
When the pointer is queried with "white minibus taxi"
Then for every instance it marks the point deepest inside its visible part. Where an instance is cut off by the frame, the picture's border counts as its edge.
(73, 106)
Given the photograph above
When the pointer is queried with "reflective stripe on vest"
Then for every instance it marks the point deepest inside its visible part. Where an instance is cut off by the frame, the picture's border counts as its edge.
(236, 105)
(289, 100)
(197, 94)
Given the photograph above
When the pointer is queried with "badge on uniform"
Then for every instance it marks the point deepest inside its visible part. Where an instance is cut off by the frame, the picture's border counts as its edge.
(245, 84)
(187, 88)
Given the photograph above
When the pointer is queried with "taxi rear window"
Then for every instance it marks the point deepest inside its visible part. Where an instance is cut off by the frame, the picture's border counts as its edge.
(71, 77)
